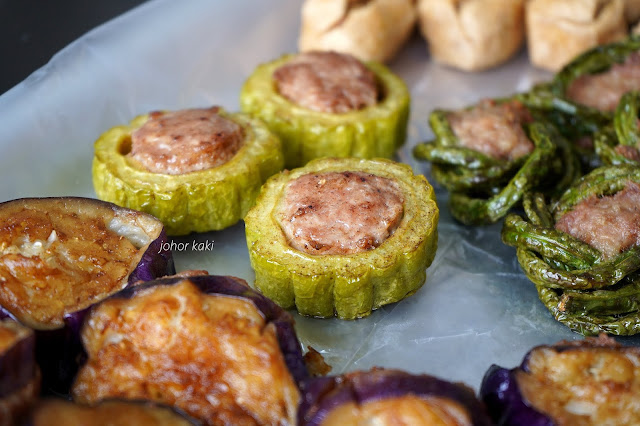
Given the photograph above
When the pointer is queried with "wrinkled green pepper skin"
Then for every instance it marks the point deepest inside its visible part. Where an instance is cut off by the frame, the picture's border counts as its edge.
(582, 290)
(623, 132)
(376, 131)
(484, 189)
(347, 286)
(206, 200)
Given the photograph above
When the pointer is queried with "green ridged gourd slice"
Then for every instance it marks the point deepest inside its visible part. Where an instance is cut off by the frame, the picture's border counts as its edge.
(375, 131)
(352, 285)
(205, 200)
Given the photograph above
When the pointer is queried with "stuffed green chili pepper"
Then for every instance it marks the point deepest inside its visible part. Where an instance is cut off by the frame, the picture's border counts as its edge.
(490, 154)
(619, 143)
(582, 97)
(583, 253)
(342, 236)
(328, 104)
(196, 170)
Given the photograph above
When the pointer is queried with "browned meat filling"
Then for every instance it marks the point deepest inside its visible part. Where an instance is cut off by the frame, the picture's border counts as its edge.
(630, 152)
(340, 212)
(213, 356)
(604, 90)
(610, 224)
(57, 412)
(494, 129)
(406, 410)
(327, 82)
(591, 384)
(52, 263)
(185, 141)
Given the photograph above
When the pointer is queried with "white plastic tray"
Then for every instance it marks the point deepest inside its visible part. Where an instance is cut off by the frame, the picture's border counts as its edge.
(476, 308)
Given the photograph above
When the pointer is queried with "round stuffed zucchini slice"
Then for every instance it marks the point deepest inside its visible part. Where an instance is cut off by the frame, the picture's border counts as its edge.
(169, 178)
(348, 282)
(369, 130)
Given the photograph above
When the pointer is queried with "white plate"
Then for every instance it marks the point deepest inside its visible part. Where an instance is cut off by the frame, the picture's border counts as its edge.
(477, 308)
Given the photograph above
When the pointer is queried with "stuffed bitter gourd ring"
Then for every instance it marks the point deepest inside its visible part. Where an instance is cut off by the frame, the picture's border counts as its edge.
(346, 285)
(620, 143)
(374, 131)
(199, 201)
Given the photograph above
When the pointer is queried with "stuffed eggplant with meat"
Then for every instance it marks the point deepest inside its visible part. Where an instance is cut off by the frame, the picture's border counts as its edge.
(585, 382)
(328, 104)
(208, 345)
(490, 154)
(196, 170)
(389, 397)
(583, 251)
(59, 256)
(342, 236)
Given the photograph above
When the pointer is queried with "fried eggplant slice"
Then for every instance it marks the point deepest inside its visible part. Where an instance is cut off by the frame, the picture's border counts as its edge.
(585, 382)
(209, 345)
(388, 397)
(348, 285)
(373, 131)
(210, 196)
(19, 373)
(59, 256)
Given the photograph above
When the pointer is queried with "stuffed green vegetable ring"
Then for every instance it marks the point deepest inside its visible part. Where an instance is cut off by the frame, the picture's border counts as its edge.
(196, 170)
(488, 178)
(342, 236)
(620, 143)
(583, 254)
(318, 109)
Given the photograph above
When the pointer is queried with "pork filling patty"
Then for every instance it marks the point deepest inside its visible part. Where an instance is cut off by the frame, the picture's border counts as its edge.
(597, 382)
(327, 82)
(185, 141)
(339, 212)
(610, 224)
(604, 90)
(494, 129)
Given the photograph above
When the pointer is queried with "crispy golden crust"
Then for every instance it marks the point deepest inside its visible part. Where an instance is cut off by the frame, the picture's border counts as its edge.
(559, 30)
(472, 34)
(370, 30)
(212, 356)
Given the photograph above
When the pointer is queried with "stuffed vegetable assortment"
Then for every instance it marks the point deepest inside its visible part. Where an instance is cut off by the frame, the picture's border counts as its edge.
(565, 155)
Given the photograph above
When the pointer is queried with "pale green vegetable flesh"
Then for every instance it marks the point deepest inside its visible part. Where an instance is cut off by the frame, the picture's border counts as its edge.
(352, 285)
(200, 201)
(376, 131)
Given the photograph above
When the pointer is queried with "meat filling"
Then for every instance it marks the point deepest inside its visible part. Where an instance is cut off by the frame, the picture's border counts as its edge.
(610, 224)
(213, 356)
(10, 333)
(340, 212)
(604, 90)
(584, 385)
(406, 410)
(327, 82)
(494, 129)
(185, 141)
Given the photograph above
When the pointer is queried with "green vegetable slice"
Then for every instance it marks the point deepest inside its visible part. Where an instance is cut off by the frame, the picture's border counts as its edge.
(348, 286)
(200, 201)
(376, 131)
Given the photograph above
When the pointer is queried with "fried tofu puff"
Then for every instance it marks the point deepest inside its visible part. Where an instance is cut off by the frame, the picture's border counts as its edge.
(472, 35)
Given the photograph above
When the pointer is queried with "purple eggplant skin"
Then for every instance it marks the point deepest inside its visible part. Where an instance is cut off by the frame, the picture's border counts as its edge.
(58, 411)
(501, 394)
(230, 286)
(322, 395)
(59, 351)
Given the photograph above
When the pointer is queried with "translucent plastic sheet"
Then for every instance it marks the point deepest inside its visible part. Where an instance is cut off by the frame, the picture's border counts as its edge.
(476, 308)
